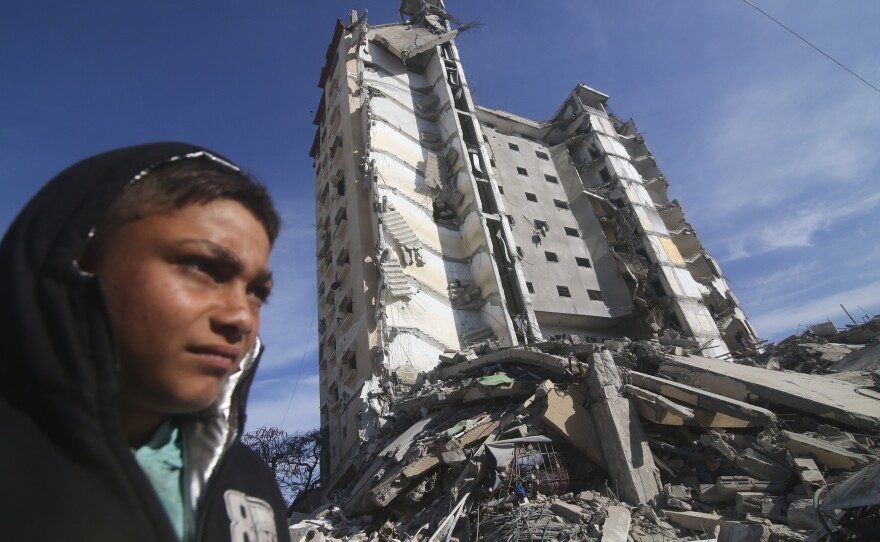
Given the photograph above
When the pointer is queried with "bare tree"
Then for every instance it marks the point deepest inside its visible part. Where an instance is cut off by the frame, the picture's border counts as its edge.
(294, 458)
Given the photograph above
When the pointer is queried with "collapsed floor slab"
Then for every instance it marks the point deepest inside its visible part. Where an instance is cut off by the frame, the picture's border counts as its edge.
(828, 398)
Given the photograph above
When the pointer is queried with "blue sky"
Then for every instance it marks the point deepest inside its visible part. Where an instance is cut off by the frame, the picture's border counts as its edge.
(773, 150)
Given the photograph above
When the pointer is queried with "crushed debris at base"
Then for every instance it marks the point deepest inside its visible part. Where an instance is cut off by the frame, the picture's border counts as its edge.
(621, 441)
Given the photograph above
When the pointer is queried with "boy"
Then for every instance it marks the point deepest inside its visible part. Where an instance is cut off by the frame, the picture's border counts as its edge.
(131, 287)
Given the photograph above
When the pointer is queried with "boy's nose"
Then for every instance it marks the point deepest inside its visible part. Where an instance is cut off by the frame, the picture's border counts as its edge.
(236, 318)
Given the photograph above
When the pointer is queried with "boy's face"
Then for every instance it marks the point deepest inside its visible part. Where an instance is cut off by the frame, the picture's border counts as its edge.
(184, 291)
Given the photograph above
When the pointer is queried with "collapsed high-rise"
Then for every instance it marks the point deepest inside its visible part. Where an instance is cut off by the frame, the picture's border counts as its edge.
(442, 224)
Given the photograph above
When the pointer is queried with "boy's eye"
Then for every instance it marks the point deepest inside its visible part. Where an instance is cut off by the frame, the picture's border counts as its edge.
(203, 265)
(262, 293)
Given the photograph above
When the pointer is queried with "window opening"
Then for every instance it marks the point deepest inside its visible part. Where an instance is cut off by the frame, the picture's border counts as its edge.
(561, 204)
(583, 262)
(522, 171)
(513, 146)
(595, 295)
(542, 155)
(551, 179)
(551, 256)
(563, 291)
(531, 197)
(572, 232)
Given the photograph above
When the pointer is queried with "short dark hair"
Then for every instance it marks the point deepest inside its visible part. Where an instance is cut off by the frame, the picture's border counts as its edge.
(174, 185)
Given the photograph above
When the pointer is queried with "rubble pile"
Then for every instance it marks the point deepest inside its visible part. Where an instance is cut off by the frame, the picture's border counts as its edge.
(824, 349)
(618, 441)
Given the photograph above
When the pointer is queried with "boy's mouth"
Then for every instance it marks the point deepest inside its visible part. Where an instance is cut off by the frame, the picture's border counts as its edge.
(219, 359)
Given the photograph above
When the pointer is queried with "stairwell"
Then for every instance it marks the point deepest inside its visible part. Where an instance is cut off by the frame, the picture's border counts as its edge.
(403, 235)
(399, 229)
(477, 335)
(395, 280)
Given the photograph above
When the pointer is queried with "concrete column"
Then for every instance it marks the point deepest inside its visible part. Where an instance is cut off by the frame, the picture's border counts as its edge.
(627, 456)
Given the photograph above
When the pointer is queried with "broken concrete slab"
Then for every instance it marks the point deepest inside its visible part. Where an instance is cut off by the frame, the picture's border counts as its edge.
(552, 365)
(407, 42)
(699, 521)
(464, 395)
(571, 512)
(627, 455)
(757, 465)
(824, 330)
(705, 399)
(818, 395)
(567, 414)
(866, 358)
(826, 453)
(617, 524)
(656, 408)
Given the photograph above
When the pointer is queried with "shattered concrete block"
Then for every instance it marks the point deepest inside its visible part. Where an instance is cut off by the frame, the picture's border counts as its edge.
(617, 524)
(715, 440)
(453, 457)
(826, 453)
(678, 504)
(809, 473)
(677, 491)
(710, 493)
(571, 512)
(802, 515)
(728, 486)
(758, 465)
(628, 458)
(744, 533)
(586, 496)
(761, 504)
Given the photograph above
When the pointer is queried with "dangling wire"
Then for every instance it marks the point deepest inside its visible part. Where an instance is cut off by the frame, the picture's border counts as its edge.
(803, 39)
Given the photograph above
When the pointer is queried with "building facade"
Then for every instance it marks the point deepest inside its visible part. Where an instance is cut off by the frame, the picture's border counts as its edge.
(442, 224)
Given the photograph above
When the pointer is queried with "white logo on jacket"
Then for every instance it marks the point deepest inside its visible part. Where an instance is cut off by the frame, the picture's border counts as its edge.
(251, 519)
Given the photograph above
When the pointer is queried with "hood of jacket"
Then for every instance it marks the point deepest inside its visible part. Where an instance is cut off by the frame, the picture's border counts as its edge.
(59, 353)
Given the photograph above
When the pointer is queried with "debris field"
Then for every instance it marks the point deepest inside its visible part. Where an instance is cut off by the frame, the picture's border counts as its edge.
(619, 440)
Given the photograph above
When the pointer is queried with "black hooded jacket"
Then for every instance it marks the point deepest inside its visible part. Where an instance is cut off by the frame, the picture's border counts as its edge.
(66, 469)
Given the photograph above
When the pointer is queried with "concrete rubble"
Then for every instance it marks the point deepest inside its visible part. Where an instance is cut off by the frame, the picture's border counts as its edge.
(616, 441)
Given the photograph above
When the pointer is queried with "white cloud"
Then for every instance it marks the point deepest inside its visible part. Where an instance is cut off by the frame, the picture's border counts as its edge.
(780, 139)
(796, 229)
(794, 275)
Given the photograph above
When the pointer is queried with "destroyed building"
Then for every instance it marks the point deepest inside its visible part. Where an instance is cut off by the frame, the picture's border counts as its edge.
(442, 224)
(522, 339)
